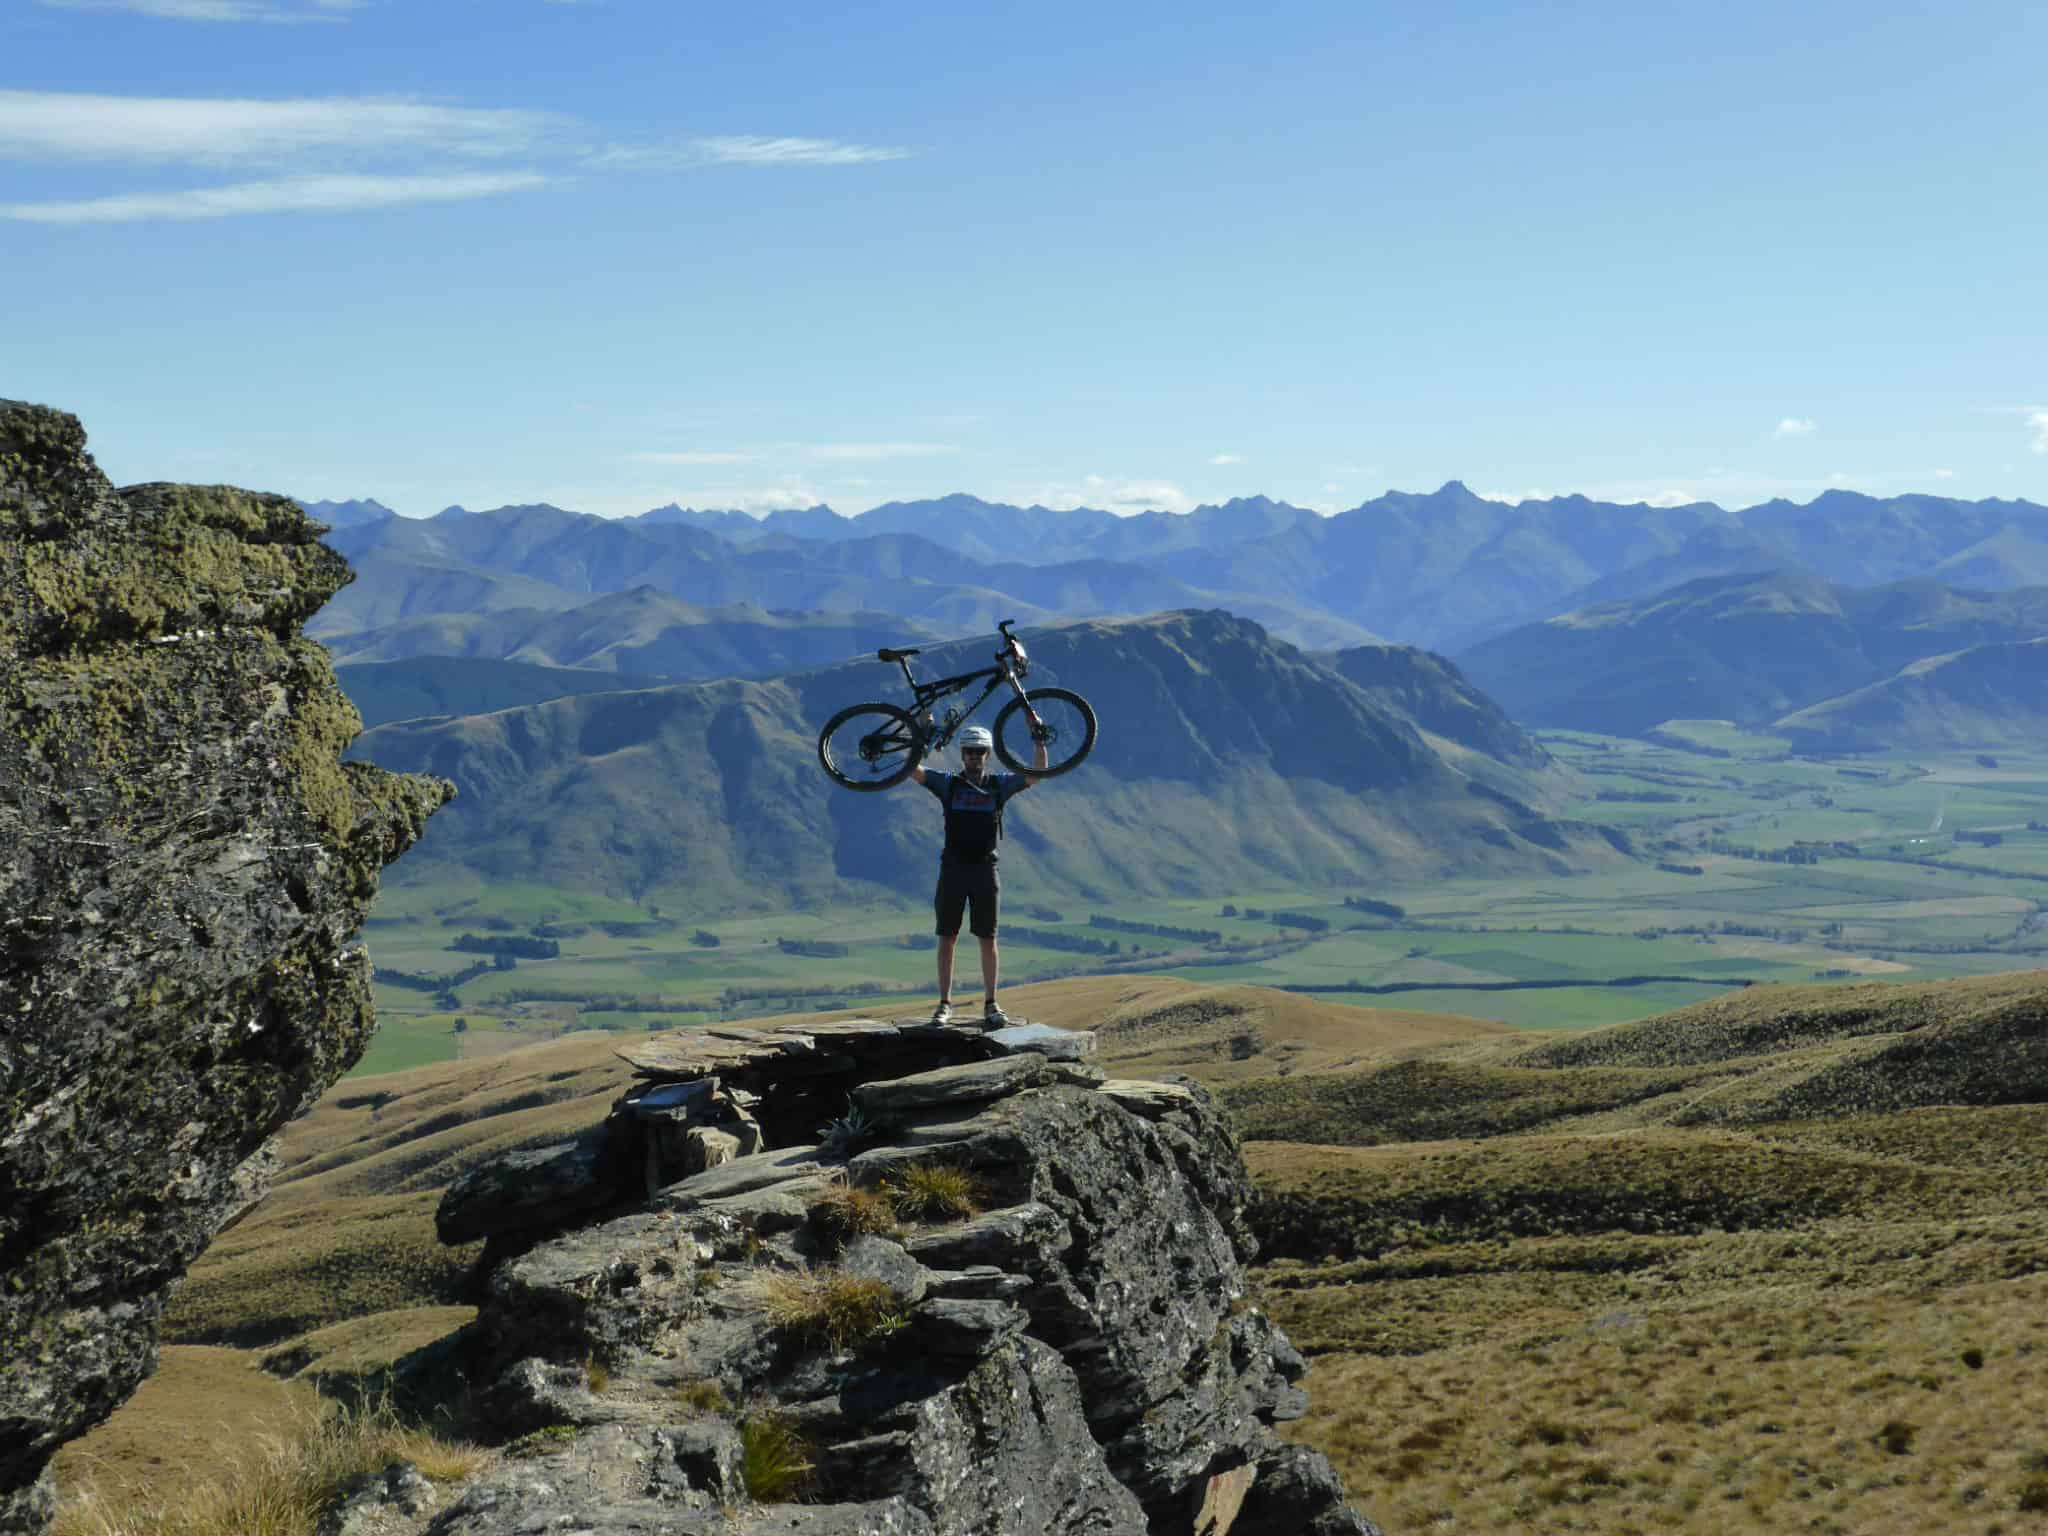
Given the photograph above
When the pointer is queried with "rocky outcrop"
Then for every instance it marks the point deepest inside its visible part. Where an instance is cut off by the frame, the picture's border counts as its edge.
(1000, 1297)
(184, 859)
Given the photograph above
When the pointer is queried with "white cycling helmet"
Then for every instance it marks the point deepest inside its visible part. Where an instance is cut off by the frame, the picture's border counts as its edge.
(976, 736)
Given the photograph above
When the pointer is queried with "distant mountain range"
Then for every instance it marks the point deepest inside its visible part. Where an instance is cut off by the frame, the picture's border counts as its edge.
(640, 631)
(1229, 761)
(542, 557)
(1447, 570)
(1751, 649)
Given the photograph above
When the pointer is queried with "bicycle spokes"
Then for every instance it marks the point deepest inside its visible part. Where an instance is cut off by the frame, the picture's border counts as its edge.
(869, 746)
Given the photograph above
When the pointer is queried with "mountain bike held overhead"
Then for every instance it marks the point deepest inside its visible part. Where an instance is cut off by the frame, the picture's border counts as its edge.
(873, 746)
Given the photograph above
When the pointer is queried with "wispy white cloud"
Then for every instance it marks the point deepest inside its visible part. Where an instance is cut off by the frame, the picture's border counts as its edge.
(1794, 426)
(1115, 495)
(1226, 458)
(215, 10)
(759, 149)
(1944, 474)
(788, 495)
(330, 153)
(2037, 422)
(56, 125)
(294, 194)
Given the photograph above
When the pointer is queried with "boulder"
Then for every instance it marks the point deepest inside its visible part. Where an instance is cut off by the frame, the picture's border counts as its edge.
(534, 1189)
(184, 863)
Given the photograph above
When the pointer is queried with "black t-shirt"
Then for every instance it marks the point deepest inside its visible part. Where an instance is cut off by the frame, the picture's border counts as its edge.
(973, 811)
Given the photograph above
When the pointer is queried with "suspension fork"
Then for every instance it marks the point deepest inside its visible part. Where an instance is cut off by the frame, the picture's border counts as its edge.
(1017, 688)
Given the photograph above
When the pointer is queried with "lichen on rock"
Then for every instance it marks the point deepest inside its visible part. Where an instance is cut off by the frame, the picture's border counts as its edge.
(184, 861)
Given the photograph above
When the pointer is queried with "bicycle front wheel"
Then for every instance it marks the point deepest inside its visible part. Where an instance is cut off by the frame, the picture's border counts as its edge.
(1068, 726)
(870, 746)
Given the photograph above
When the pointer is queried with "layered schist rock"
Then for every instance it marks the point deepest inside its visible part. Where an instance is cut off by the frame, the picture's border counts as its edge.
(1078, 1354)
(184, 860)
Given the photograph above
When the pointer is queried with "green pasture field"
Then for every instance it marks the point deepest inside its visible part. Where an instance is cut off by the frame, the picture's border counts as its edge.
(1883, 900)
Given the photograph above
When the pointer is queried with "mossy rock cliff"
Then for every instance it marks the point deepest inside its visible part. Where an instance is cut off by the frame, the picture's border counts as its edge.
(184, 861)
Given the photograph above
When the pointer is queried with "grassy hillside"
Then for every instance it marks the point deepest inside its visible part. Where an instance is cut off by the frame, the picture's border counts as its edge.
(709, 797)
(1987, 696)
(1688, 1274)
(1574, 1307)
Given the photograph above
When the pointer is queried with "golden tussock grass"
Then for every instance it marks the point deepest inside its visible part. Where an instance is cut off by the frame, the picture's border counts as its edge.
(776, 1463)
(1823, 1325)
(828, 1306)
(846, 1211)
(277, 1481)
(935, 1192)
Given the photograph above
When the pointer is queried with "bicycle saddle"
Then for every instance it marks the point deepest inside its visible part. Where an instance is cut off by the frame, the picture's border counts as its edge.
(885, 654)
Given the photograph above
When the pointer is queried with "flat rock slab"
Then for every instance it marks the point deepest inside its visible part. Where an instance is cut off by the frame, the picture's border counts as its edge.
(967, 1329)
(1044, 1040)
(772, 1208)
(876, 1258)
(940, 1126)
(971, 1082)
(1148, 1099)
(1009, 1239)
(536, 1187)
(674, 1101)
(742, 1176)
(687, 1054)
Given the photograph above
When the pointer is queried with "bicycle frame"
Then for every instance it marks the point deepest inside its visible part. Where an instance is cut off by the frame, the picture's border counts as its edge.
(941, 731)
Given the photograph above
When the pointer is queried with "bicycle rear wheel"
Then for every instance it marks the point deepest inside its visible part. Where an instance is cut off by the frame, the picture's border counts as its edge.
(870, 746)
(1069, 731)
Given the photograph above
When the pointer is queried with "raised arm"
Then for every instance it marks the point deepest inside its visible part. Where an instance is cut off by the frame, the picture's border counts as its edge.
(1038, 766)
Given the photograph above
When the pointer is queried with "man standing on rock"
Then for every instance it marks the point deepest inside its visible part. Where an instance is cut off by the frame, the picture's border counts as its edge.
(974, 800)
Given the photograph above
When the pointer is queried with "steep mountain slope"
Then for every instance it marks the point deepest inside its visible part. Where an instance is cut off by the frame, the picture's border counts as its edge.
(1986, 696)
(1429, 690)
(642, 631)
(1745, 648)
(383, 691)
(391, 589)
(1227, 761)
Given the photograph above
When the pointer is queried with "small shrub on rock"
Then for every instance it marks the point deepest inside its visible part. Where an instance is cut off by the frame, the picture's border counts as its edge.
(935, 1192)
(847, 1211)
(776, 1462)
(703, 1396)
(831, 1307)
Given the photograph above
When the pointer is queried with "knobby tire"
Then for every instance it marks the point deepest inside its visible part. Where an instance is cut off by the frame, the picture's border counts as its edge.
(891, 731)
(1062, 702)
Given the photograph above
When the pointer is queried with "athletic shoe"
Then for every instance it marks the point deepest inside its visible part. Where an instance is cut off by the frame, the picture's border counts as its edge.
(943, 1014)
(993, 1017)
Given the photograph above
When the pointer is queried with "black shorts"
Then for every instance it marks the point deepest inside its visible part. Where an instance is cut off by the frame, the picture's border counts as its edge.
(970, 886)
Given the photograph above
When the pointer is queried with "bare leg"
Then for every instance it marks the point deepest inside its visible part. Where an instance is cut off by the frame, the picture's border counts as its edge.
(991, 968)
(946, 943)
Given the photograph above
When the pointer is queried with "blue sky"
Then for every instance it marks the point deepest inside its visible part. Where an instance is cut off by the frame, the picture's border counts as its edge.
(616, 253)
